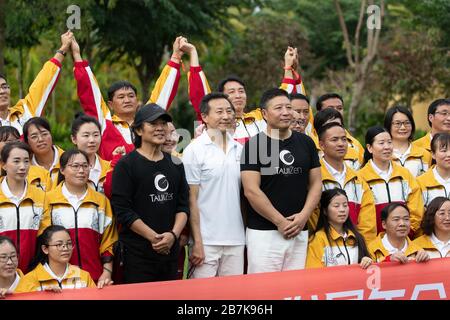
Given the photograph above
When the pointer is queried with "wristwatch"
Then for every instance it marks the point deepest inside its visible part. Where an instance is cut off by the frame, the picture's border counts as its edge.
(61, 51)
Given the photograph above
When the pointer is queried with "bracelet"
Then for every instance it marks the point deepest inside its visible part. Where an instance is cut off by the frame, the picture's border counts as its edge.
(174, 235)
(61, 52)
(104, 268)
(174, 55)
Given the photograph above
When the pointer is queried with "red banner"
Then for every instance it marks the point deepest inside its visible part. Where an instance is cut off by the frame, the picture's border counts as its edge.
(430, 280)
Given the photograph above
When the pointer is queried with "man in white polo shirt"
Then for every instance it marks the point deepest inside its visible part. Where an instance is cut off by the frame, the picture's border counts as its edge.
(212, 164)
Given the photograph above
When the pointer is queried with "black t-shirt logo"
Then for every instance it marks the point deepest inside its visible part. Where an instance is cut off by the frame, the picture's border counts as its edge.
(286, 157)
(161, 183)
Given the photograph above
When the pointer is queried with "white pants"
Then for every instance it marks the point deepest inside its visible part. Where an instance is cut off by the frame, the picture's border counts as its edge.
(221, 261)
(268, 251)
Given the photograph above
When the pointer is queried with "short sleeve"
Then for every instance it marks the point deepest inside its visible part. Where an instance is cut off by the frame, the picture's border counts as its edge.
(250, 156)
(191, 165)
(315, 161)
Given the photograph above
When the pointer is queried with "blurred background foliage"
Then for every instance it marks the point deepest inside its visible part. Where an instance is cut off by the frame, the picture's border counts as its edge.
(132, 39)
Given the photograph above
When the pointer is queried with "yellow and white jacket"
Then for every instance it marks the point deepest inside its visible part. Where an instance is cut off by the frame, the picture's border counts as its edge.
(322, 253)
(426, 244)
(22, 223)
(417, 162)
(424, 142)
(91, 227)
(34, 102)
(379, 253)
(39, 279)
(402, 187)
(430, 187)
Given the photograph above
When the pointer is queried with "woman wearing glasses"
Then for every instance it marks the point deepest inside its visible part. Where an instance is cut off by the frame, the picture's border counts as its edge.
(9, 273)
(21, 204)
(400, 124)
(86, 135)
(86, 214)
(51, 268)
(37, 134)
(436, 229)
(336, 241)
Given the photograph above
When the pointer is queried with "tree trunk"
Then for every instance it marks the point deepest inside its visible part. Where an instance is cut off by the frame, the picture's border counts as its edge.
(20, 73)
(2, 35)
(357, 94)
(146, 70)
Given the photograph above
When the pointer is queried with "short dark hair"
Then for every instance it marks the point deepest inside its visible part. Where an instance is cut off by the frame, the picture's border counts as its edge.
(440, 140)
(386, 211)
(434, 105)
(2, 76)
(326, 96)
(270, 94)
(119, 85)
(323, 129)
(8, 131)
(229, 78)
(390, 115)
(325, 115)
(371, 133)
(428, 218)
(298, 96)
(38, 122)
(204, 104)
(80, 119)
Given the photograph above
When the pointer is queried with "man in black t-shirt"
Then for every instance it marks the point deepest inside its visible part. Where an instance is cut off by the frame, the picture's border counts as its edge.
(150, 198)
(280, 172)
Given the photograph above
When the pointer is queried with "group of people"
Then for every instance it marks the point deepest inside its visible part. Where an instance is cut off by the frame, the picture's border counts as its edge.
(272, 189)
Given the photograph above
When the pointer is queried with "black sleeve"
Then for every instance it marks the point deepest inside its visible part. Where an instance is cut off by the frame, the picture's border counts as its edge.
(250, 156)
(183, 193)
(315, 161)
(122, 194)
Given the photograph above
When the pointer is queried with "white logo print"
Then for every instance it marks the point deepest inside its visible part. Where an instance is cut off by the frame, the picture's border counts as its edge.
(286, 157)
(161, 183)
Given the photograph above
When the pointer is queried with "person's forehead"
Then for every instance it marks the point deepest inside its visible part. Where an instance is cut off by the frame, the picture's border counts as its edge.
(335, 132)
(219, 103)
(34, 128)
(124, 90)
(60, 236)
(332, 102)
(279, 100)
(399, 116)
(78, 158)
(2, 81)
(6, 247)
(300, 104)
(232, 85)
(443, 107)
(399, 212)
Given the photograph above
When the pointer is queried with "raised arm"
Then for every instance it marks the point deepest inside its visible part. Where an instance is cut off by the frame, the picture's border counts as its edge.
(88, 90)
(44, 83)
(166, 86)
(198, 84)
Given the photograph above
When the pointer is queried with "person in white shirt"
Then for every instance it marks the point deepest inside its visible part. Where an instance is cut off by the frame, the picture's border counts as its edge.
(436, 229)
(212, 164)
(9, 260)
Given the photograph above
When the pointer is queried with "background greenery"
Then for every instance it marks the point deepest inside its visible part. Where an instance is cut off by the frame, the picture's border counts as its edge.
(131, 39)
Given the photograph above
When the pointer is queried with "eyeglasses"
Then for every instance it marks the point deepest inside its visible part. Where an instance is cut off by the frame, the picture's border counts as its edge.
(442, 215)
(398, 124)
(43, 135)
(61, 246)
(443, 113)
(5, 87)
(4, 258)
(77, 166)
(297, 122)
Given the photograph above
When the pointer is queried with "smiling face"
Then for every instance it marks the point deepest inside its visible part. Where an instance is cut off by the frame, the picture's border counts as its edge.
(338, 210)
(17, 165)
(442, 156)
(8, 260)
(59, 248)
(401, 127)
(153, 132)
(442, 219)
(124, 102)
(5, 95)
(237, 95)
(278, 113)
(40, 140)
(382, 147)
(397, 224)
(220, 115)
(88, 138)
(76, 171)
(440, 120)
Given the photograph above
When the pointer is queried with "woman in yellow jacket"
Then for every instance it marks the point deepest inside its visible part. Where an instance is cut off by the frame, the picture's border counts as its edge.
(336, 240)
(86, 135)
(21, 204)
(389, 181)
(436, 229)
(51, 268)
(9, 273)
(400, 124)
(86, 214)
(37, 134)
(37, 176)
(394, 245)
(436, 181)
